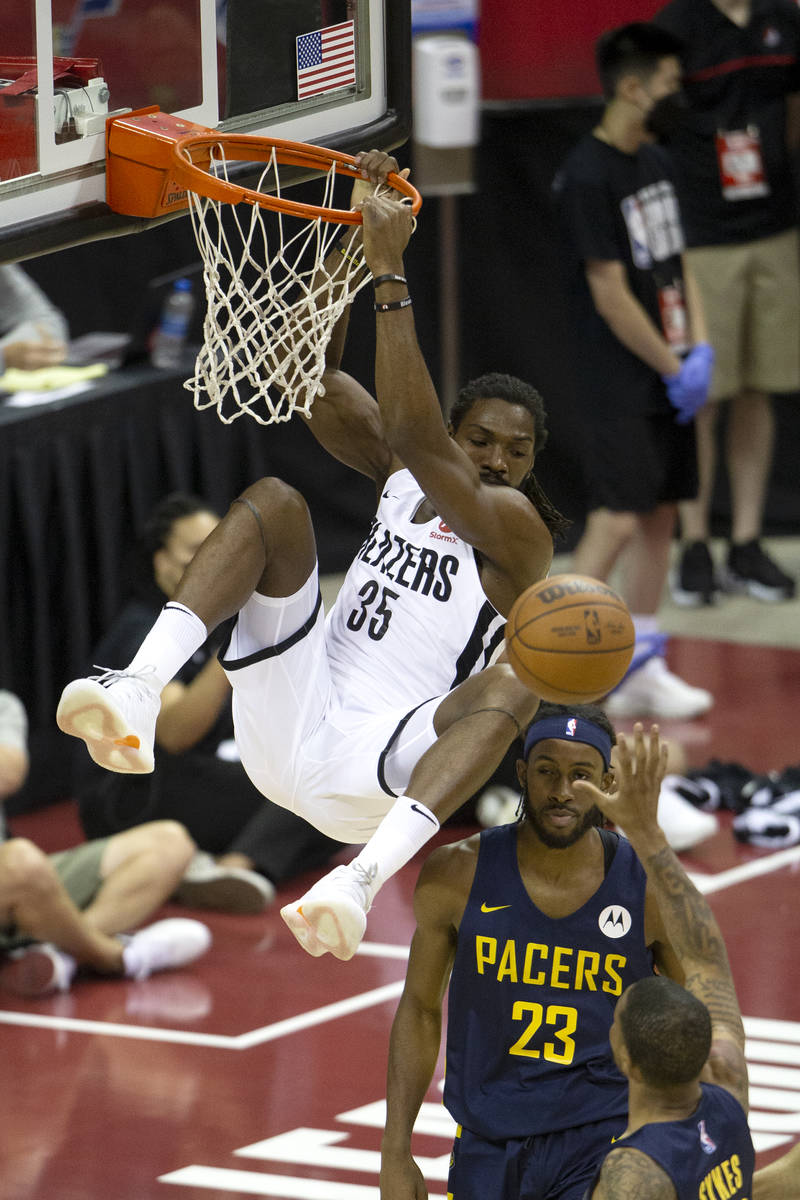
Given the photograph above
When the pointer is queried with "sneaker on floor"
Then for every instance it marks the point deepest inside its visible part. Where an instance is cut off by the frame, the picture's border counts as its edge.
(332, 915)
(115, 714)
(750, 569)
(173, 942)
(693, 581)
(207, 884)
(683, 824)
(497, 805)
(37, 970)
(654, 691)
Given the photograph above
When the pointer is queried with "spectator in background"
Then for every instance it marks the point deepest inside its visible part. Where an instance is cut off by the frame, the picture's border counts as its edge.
(733, 152)
(61, 912)
(199, 779)
(33, 332)
(643, 363)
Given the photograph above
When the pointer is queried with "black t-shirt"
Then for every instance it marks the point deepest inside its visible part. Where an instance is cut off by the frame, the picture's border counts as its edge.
(619, 207)
(735, 188)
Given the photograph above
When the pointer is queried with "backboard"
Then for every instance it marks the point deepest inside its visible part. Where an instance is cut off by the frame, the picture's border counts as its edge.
(332, 72)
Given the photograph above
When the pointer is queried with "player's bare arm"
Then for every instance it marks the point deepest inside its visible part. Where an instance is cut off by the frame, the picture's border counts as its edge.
(497, 520)
(439, 900)
(779, 1179)
(631, 1175)
(689, 923)
(345, 419)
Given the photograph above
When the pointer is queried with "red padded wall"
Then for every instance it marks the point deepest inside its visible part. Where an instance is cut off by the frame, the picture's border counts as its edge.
(544, 49)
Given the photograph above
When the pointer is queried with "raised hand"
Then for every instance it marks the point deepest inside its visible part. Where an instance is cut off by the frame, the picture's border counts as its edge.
(639, 770)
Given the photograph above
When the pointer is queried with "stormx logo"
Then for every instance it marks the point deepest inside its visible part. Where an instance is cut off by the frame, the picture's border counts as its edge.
(445, 533)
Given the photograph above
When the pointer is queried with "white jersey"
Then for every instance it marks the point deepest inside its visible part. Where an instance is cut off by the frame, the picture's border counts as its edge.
(411, 620)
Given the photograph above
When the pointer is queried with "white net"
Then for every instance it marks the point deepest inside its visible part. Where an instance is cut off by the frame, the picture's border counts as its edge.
(271, 303)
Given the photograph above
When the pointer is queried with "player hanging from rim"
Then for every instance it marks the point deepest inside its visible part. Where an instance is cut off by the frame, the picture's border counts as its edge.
(375, 723)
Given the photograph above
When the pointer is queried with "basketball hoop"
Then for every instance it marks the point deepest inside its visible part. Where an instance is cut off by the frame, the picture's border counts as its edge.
(271, 303)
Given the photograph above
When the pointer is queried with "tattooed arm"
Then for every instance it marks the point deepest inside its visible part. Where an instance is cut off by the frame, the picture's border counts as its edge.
(627, 1174)
(688, 921)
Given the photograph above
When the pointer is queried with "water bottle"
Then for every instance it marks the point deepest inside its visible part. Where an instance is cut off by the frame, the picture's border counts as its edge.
(172, 331)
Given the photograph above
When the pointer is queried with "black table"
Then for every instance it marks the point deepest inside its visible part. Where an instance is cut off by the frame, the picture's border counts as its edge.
(78, 477)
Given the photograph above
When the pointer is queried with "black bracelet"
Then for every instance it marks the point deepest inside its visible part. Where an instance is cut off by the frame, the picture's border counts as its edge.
(388, 279)
(392, 305)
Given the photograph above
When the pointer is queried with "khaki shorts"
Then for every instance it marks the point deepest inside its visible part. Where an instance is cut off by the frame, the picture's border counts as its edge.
(751, 295)
(79, 871)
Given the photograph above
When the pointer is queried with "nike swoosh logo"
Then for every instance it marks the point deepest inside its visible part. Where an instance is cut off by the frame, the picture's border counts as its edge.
(486, 908)
(416, 808)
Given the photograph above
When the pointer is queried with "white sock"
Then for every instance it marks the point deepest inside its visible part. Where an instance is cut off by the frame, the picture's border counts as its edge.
(404, 830)
(134, 965)
(173, 639)
(645, 623)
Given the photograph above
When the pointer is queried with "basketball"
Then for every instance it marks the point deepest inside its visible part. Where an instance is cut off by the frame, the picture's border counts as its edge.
(570, 639)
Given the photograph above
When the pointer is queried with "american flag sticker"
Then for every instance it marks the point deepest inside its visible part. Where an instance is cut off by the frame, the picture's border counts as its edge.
(326, 60)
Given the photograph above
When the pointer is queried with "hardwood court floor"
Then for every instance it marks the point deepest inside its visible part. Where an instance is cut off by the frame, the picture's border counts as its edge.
(260, 1071)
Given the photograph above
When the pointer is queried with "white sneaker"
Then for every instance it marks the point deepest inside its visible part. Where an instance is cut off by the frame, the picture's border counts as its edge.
(207, 884)
(683, 824)
(332, 916)
(653, 691)
(37, 970)
(115, 714)
(497, 805)
(173, 942)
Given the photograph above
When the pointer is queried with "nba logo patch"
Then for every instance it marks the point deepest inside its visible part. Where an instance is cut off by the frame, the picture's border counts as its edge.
(706, 1141)
(572, 726)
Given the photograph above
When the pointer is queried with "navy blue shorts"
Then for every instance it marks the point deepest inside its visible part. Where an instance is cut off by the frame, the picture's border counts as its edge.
(546, 1166)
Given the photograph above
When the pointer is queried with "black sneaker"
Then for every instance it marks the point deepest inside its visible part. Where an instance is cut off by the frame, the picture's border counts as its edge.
(693, 581)
(750, 569)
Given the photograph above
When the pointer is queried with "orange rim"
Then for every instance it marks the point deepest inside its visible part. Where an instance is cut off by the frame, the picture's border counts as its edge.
(248, 148)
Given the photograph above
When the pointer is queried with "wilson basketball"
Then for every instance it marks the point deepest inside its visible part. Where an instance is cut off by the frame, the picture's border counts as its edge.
(570, 639)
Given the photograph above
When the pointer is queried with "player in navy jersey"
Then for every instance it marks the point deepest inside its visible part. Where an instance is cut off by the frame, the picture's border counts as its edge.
(680, 1047)
(374, 724)
(539, 926)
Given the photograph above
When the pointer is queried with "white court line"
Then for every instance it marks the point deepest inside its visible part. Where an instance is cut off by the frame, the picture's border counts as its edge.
(241, 1041)
(767, 1027)
(746, 871)
(319, 1015)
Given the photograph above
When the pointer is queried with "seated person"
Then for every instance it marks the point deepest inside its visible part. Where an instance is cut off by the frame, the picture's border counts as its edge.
(14, 760)
(199, 779)
(33, 332)
(65, 911)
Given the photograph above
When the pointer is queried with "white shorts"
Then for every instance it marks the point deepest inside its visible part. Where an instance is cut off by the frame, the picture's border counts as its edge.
(303, 745)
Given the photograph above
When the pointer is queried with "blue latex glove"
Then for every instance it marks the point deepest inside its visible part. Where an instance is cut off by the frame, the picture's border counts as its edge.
(688, 390)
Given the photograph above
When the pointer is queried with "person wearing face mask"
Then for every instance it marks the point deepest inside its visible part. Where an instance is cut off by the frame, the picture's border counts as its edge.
(642, 358)
(734, 156)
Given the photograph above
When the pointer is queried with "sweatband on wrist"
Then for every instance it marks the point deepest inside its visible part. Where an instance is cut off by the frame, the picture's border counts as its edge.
(388, 279)
(392, 305)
